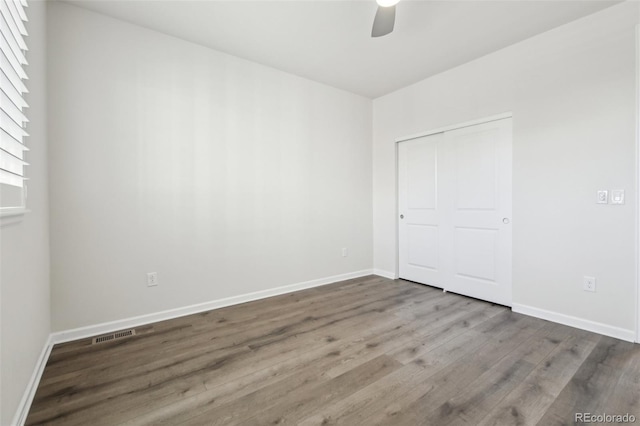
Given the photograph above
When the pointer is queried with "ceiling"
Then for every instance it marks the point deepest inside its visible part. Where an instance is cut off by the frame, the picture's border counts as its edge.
(329, 41)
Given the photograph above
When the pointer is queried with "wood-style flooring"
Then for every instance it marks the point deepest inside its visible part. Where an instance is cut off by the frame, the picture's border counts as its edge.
(368, 351)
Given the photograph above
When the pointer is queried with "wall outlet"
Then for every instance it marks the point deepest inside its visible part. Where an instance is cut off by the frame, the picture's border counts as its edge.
(589, 284)
(617, 196)
(152, 279)
(345, 252)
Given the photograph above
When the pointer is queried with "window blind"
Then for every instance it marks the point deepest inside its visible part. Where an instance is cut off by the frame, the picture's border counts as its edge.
(13, 121)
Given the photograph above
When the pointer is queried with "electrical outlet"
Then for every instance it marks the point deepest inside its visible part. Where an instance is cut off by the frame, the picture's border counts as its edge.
(617, 196)
(152, 279)
(345, 252)
(589, 284)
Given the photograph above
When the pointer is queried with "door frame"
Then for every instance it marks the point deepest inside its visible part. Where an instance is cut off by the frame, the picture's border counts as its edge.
(397, 174)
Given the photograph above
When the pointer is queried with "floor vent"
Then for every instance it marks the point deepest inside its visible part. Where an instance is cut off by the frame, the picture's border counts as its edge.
(113, 336)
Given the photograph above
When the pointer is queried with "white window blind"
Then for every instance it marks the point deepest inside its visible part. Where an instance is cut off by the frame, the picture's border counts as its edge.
(13, 121)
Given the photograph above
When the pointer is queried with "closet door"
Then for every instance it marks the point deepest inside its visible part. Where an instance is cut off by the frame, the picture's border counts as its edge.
(476, 186)
(420, 256)
(454, 193)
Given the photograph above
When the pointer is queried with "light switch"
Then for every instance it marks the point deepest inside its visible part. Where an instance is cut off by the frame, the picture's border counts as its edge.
(617, 196)
(603, 197)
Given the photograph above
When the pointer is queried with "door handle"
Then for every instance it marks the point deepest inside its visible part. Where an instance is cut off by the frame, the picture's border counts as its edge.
(505, 220)
(401, 216)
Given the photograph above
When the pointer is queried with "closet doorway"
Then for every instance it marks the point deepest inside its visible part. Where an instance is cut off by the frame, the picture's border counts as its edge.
(454, 209)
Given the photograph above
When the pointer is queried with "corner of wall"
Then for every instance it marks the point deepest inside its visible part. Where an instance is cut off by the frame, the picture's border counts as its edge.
(25, 313)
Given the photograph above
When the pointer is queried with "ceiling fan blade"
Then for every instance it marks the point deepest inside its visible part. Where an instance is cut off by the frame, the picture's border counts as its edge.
(384, 21)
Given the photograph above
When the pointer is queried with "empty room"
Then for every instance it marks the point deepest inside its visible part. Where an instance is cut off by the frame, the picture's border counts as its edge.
(317, 212)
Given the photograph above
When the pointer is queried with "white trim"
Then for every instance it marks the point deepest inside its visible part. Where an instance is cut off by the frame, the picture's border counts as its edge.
(30, 391)
(457, 126)
(10, 220)
(9, 216)
(108, 327)
(385, 274)
(12, 211)
(637, 193)
(396, 185)
(581, 323)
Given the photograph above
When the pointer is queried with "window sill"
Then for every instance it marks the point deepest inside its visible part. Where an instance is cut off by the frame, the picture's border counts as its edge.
(11, 216)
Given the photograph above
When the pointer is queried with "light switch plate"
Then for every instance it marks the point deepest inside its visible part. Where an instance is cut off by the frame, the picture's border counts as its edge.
(617, 196)
(602, 197)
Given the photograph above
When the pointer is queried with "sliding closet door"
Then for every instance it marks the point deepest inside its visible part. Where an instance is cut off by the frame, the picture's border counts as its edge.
(455, 210)
(476, 183)
(419, 221)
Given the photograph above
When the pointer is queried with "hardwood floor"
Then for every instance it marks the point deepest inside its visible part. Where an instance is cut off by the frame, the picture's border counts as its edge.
(368, 351)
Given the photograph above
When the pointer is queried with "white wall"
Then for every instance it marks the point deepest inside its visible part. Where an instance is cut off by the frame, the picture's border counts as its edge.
(224, 176)
(571, 91)
(24, 244)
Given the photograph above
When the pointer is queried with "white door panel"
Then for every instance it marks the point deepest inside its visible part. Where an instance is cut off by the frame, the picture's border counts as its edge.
(422, 246)
(475, 171)
(421, 177)
(477, 163)
(475, 253)
(454, 193)
(418, 195)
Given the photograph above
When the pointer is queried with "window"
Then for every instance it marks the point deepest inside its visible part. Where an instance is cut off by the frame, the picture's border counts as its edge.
(12, 104)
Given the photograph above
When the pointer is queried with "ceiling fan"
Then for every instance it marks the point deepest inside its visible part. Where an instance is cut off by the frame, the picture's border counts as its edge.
(385, 18)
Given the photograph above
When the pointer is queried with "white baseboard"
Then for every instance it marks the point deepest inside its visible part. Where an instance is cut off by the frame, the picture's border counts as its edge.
(30, 391)
(581, 323)
(385, 274)
(108, 327)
